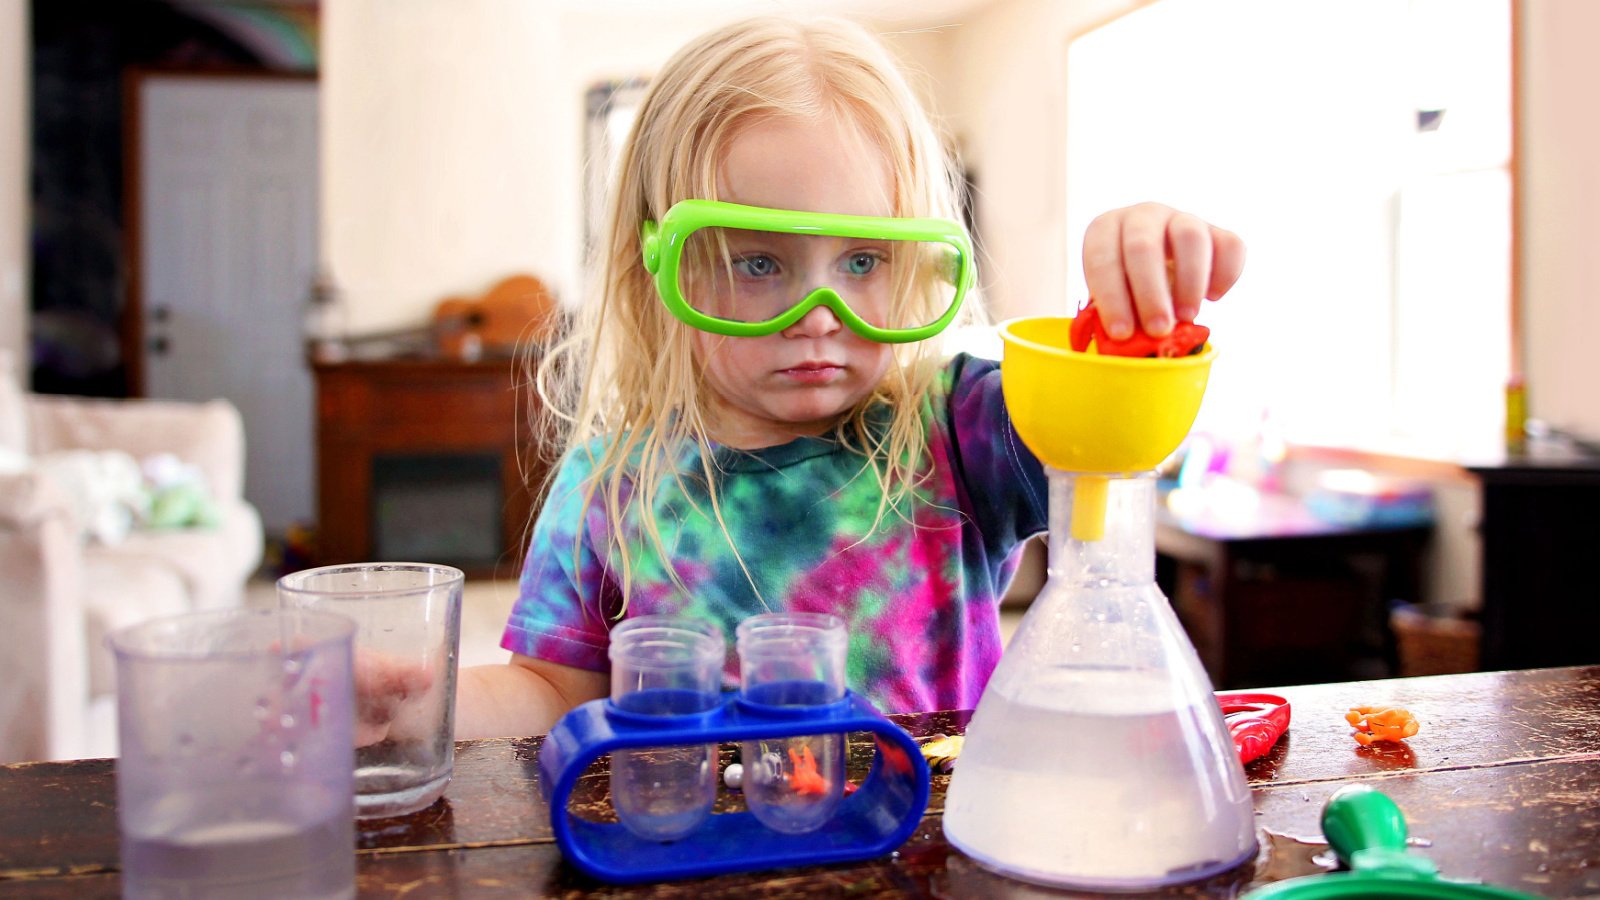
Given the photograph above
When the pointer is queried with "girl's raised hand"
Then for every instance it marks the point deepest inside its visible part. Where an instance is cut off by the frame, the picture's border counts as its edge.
(1150, 265)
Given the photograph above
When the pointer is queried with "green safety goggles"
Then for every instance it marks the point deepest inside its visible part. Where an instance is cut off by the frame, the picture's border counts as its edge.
(747, 271)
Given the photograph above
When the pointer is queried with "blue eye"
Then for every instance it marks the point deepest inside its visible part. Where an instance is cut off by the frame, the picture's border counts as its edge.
(861, 263)
(755, 265)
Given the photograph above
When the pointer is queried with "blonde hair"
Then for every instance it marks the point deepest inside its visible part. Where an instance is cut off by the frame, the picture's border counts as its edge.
(625, 370)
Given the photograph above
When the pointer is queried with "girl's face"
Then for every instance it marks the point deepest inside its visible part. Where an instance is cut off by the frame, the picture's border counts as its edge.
(769, 390)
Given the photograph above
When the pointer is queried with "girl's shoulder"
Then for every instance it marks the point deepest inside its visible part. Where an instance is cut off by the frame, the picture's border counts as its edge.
(582, 458)
(581, 462)
(960, 376)
(963, 369)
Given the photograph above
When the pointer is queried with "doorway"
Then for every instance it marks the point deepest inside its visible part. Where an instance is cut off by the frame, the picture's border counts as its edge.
(222, 208)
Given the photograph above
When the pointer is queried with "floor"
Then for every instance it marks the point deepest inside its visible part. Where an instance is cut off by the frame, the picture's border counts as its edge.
(486, 604)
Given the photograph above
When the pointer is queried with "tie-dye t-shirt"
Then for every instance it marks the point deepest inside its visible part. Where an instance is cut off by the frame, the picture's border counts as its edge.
(919, 597)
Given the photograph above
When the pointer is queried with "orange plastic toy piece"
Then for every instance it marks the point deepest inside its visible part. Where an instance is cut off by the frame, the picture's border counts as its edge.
(1381, 723)
(806, 779)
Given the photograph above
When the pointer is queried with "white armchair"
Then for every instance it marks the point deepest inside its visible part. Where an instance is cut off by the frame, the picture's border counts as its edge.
(61, 591)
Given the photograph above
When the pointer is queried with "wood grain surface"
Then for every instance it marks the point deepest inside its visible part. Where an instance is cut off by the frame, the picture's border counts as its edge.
(1502, 786)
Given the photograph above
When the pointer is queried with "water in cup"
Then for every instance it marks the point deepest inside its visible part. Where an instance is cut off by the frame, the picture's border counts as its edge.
(411, 771)
(794, 785)
(195, 845)
(236, 733)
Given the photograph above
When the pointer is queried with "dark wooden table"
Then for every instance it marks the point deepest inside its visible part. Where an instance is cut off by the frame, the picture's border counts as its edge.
(1276, 595)
(1502, 785)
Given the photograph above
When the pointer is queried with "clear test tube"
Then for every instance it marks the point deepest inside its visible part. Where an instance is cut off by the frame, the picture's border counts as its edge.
(792, 785)
(665, 666)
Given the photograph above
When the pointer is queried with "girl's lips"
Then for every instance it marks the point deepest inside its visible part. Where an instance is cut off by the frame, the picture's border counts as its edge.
(812, 373)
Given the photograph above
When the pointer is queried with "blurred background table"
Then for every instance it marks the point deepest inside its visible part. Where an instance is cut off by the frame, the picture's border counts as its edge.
(1271, 594)
(1502, 785)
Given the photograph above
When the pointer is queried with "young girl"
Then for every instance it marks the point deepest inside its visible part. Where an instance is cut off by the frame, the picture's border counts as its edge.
(755, 419)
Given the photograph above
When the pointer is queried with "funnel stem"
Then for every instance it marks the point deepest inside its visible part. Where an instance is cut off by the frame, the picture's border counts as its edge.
(1089, 508)
(1107, 538)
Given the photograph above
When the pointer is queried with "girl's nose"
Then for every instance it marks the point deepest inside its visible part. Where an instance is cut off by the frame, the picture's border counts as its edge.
(819, 321)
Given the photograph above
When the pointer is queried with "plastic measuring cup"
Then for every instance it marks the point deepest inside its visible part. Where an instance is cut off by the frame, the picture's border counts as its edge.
(792, 661)
(235, 778)
(663, 667)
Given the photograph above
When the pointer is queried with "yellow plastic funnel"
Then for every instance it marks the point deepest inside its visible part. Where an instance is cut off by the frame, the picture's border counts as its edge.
(1096, 415)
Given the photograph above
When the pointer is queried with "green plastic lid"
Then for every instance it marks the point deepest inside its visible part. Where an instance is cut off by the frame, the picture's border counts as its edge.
(1366, 829)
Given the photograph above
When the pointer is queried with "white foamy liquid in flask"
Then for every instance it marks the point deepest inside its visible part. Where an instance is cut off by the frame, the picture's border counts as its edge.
(1084, 779)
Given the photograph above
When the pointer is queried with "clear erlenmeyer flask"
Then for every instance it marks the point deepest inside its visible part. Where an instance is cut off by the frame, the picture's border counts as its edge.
(1098, 757)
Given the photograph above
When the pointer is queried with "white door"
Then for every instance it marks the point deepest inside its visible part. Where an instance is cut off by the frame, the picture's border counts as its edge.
(228, 217)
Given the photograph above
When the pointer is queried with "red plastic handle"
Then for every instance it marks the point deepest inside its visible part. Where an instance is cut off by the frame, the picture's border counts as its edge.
(1255, 721)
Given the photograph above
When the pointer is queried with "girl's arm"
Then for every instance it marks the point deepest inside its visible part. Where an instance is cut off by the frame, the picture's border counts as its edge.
(523, 697)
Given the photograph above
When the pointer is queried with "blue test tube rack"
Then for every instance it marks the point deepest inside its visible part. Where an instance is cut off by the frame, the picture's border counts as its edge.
(871, 821)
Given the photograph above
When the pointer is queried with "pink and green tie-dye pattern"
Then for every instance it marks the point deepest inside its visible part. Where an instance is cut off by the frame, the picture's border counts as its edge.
(920, 597)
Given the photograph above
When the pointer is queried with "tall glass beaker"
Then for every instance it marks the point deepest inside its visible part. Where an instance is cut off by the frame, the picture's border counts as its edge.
(1098, 757)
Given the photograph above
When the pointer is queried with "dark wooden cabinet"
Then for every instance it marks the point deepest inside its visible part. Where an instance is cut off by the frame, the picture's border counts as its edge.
(1541, 539)
(1282, 597)
(425, 459)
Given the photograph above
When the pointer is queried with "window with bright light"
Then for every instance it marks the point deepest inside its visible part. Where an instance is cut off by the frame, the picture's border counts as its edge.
(612, 108)
(1362, 149)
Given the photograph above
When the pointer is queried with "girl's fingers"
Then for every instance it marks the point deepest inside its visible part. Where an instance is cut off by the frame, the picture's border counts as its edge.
(1227, 261)
(369, 733)
(384, 684)
(1150, 266)
(384, 674)
(1144, 257)
(1190, 243)
(1105, 276)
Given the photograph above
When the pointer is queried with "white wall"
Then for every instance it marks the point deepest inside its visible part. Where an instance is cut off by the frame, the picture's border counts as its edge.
(453, 142)
(14, 182)
(602, 46)
(446, 149)
(1007, 102)
(1006, 99)
(452, 134)
(1558, 166)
